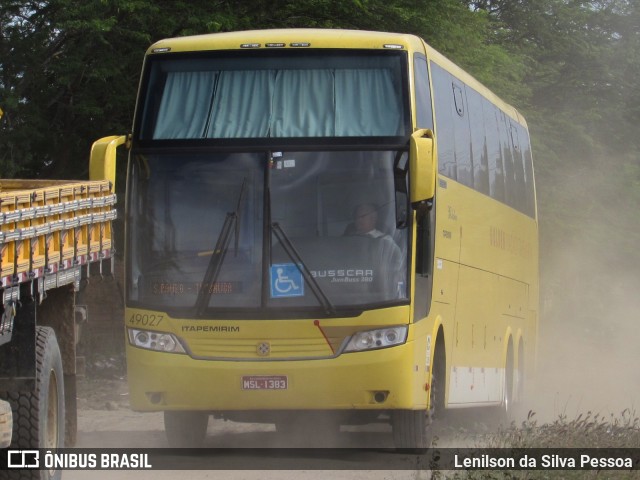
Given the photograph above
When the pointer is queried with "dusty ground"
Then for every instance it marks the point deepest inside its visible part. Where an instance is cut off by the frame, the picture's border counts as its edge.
(577, 373)
(105, 421)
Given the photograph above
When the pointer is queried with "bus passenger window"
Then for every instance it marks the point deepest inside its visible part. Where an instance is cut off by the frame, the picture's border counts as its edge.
(423, 94)
(462, 136)
(443, 100)
(479, 149)
(494, 153)
(518, 165)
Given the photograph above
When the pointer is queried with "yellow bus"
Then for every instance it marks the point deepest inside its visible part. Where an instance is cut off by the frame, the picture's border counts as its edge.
(323, 226)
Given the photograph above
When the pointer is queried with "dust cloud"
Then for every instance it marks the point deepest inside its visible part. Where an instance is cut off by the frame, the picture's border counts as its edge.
(588, 352)
(588, 339)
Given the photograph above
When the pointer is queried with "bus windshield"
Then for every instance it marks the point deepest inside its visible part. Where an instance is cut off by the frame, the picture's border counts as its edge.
(274, 94)
(295, 222)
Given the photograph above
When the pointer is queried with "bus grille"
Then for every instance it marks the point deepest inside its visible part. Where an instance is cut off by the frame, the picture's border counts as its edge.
(259, 349)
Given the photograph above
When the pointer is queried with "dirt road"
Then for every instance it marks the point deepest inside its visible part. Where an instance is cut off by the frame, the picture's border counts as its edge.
(123, 428)
(105, 421)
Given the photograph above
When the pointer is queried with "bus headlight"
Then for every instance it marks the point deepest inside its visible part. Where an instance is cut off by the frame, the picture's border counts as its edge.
(374, 339)
(158, 341)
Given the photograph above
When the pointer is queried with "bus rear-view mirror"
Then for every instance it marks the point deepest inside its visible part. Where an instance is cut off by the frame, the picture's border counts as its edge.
(102, 162)
(422, 165)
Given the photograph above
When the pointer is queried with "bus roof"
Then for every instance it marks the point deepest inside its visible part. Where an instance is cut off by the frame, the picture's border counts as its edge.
(289, 38)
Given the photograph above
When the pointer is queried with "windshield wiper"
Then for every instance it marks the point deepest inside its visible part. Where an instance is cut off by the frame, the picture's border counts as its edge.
(219, 253)
(304, 270)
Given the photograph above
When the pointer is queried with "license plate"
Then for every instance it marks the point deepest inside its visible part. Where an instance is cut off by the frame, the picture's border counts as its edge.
(271, 382)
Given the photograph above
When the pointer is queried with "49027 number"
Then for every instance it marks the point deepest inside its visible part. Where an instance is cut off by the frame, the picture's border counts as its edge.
(146, 319)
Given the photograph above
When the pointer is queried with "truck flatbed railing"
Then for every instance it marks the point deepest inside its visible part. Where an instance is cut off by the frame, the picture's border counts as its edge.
(48, 231)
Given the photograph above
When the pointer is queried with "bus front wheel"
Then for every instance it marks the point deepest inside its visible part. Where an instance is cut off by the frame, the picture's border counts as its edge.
(411, 429)
(185, 429)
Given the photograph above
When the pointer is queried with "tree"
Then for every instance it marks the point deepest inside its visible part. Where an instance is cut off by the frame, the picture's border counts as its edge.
(70, 69)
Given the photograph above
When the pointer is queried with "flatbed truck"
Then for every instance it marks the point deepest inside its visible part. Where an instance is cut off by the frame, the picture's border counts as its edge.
(54, 234)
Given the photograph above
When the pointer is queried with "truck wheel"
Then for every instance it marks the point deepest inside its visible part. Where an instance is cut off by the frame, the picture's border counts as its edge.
(38, 420)
(6, 424)
(185, 429)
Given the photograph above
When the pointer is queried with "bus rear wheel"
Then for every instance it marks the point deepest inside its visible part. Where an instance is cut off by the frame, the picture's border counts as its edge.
(503, 414)
(185, 429)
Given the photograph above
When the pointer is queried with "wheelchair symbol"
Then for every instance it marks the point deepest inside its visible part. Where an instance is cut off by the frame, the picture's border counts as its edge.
(286, 281)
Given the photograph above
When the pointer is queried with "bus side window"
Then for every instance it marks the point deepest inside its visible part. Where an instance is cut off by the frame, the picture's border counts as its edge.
(443, 102)
(507, 156)
(528, 171)
(479, 149)
(462, 135)
(518, 164)
(494, 153)
(424, 113)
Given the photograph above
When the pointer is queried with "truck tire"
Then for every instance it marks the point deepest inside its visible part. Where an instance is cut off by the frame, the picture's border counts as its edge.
(38, 420)
(6, 424)
(185, 429)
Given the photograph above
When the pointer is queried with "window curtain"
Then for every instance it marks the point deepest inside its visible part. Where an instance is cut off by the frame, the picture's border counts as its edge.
(284, 103)
(367, 104)
(184, 108)
(242, 104)
(303, 104)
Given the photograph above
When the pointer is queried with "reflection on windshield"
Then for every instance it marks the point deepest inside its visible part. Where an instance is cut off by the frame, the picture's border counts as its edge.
(231, 223)
(335, 210)
(318, 200)
(178, 210)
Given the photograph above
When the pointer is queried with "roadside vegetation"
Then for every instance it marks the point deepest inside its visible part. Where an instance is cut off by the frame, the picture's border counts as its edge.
(585, 431)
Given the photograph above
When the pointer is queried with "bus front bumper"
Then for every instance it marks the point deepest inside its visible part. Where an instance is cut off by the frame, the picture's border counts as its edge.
(382, 379)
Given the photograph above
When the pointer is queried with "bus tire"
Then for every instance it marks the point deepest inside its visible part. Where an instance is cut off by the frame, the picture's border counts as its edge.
(519, 376)
(510, 385)
(411, 429)
(503, 414)
(185, 429)
(39, 416)
(438, 381)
